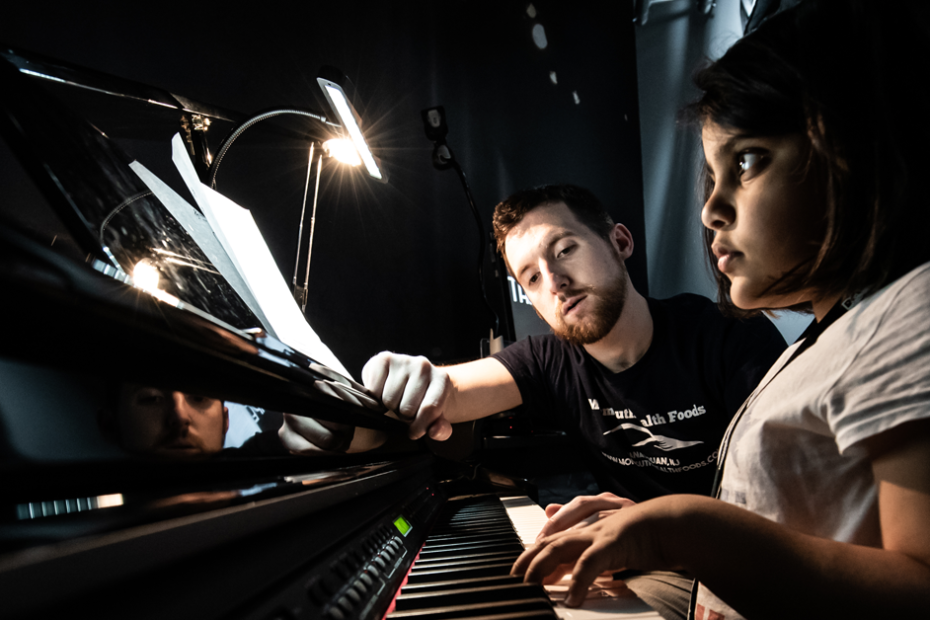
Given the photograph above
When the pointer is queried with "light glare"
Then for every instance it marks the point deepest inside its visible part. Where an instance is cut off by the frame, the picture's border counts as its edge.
(343, 151)
(145, 276)
(348, 121)
(109, 501)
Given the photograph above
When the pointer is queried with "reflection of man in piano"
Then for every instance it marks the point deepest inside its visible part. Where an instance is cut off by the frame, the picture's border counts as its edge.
(649, 385)
(149, 420)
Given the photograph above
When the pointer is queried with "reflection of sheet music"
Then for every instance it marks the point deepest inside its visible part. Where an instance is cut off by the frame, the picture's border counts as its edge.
(199, 229)
(237, 233)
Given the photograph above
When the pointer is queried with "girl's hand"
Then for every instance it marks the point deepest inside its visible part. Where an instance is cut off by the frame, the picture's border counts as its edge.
(582, 508)
(634, 537)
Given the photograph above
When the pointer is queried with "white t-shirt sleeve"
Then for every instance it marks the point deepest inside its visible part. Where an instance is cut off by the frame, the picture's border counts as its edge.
(888, 381)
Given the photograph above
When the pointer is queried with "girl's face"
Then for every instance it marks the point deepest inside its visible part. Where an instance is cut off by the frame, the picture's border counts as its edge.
(766, 213)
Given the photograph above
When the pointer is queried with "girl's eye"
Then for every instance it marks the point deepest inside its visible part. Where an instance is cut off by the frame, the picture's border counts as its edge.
(533, 279)
(746, 161)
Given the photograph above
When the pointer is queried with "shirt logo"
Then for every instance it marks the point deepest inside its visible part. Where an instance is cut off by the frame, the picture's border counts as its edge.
(659, 441)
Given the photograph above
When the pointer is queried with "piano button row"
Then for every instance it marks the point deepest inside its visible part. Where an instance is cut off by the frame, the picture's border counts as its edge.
(357, 578)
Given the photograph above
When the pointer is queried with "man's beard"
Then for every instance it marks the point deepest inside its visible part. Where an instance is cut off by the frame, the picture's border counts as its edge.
(608, 306)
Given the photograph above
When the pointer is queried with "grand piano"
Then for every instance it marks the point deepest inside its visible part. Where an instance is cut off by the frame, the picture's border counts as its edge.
(90, 526)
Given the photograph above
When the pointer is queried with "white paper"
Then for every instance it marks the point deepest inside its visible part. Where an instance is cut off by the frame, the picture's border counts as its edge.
(200, 231)
(243, 242)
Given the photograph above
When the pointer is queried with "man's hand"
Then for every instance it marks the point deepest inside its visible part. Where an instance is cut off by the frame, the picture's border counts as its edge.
(306, 436)
(414, 389)
(425, 397)
(584, 508)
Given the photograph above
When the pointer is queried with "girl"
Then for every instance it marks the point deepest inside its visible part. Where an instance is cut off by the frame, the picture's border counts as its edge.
(815, 142)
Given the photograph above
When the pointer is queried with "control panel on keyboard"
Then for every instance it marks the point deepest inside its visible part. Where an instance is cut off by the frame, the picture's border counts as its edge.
(358, 581)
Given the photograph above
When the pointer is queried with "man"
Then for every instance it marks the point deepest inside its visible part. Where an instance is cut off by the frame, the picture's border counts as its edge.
(150, 420)
(648, 386)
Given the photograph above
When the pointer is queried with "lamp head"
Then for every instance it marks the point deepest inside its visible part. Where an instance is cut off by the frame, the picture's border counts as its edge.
(331, 81)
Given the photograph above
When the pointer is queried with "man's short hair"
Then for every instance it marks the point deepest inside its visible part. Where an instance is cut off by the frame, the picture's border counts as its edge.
(580, 201)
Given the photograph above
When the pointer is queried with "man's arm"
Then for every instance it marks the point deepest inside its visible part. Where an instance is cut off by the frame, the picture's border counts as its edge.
(429, 398)
(432, 398)
(764, 569)
(307, 436)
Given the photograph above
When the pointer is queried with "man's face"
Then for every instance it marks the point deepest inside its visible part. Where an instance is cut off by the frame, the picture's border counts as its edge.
(156, 421)
(575, 279)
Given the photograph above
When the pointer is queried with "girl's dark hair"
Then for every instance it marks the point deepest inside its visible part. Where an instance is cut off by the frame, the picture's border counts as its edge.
(848, 74)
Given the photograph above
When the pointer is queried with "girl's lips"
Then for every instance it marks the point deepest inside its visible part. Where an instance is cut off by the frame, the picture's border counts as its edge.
(725, 261)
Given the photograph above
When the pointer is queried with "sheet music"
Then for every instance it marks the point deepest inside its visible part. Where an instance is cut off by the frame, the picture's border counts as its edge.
(200, 231)
(237, 233)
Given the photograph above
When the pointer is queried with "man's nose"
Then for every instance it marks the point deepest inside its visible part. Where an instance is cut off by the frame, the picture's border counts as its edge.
(556, 279)
(180, 410)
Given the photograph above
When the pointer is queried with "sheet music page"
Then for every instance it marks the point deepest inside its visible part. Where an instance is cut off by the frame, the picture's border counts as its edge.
(200, 231)
(236, 231)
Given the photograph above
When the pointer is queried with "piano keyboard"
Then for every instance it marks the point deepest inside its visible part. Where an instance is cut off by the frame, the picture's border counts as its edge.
(463, 570)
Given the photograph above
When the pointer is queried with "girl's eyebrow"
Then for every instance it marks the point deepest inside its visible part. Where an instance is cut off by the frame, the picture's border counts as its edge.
(725, 149)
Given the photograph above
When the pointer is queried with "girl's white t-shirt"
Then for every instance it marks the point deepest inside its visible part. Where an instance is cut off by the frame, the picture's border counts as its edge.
(795, 455)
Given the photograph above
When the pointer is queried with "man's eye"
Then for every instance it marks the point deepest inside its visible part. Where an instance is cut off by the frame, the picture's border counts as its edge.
(198, 401)
(566, 250)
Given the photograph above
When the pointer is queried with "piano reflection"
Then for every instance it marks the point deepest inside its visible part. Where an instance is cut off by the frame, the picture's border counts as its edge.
(94, 521)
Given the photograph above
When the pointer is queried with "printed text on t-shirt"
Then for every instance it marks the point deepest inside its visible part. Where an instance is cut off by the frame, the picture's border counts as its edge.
(651, 419)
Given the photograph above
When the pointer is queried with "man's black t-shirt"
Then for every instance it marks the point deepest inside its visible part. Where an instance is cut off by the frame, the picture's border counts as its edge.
(654, 428)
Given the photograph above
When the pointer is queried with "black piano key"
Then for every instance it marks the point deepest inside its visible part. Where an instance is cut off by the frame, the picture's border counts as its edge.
(464, 531)
(468, 596)
(499, 547)
(452, 584)
(489, 570)
(496, 558)
(467, 558)
(474, 610)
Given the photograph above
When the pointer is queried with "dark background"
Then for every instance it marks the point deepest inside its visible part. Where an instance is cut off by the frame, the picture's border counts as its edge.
(393, 265)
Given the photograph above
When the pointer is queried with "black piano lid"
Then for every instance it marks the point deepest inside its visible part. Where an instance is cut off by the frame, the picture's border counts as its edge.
(66, 315)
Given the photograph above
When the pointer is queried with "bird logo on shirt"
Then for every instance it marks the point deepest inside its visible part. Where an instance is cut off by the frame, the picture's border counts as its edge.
(659, 441)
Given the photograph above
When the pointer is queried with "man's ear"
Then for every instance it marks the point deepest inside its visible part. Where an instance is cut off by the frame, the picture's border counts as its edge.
(225, 420)
(622, 240)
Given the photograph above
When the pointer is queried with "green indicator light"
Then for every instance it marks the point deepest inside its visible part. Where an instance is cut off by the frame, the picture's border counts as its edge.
(402, 525)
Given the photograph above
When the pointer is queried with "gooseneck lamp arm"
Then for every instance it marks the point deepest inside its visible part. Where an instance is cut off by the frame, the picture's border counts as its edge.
(239, 130)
